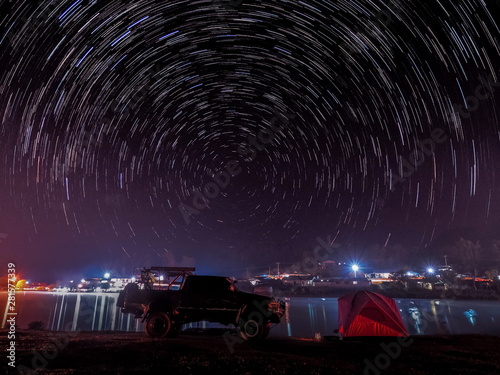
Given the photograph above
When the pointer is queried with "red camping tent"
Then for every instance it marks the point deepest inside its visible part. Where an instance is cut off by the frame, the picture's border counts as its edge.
(369, 314)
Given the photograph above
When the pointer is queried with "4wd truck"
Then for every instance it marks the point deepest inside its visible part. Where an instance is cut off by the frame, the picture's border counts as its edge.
(168, 297)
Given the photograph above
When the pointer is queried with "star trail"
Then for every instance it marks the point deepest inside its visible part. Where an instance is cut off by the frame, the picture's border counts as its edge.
(221, 132)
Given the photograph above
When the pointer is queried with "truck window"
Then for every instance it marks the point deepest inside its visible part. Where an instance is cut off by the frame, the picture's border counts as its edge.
(196, 285)
(219, 284)
(209, 285)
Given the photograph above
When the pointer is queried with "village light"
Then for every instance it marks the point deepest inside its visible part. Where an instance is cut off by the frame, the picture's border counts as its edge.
(430, 270)
(355, 268)
(107, 275)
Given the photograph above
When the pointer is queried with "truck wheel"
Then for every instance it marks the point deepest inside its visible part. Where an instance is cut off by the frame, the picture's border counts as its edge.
(252, 329)
(158, 325)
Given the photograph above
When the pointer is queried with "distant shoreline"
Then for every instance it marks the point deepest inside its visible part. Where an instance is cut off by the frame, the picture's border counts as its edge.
(397, 293)
(485, 295)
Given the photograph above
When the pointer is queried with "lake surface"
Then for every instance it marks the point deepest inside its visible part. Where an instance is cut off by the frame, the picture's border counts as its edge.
(304, 316)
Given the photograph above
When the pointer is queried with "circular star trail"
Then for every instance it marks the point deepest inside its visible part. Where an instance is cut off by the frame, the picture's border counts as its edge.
(117, 117)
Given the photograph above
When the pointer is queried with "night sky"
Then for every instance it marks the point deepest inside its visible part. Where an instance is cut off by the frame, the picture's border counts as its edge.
(116, 116)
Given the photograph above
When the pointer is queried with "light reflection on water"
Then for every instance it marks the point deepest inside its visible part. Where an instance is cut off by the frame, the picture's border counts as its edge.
(304, 316)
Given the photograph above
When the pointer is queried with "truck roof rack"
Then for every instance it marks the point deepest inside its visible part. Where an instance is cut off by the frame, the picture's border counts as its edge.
(164, 278)
(174, 271)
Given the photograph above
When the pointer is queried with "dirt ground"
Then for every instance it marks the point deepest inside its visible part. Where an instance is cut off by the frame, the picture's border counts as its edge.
(213, 352)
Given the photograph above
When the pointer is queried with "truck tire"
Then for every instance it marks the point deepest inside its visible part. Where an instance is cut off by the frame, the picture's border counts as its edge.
(158, 325)
(252, 328)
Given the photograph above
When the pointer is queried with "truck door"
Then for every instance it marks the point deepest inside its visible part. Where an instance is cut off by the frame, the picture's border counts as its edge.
(193, 293)
(209, 298)
(220, 300)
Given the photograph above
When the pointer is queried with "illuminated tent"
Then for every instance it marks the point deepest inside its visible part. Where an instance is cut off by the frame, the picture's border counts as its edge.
(369, 314)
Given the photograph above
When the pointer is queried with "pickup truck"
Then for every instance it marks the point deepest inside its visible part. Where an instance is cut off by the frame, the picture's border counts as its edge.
(168, 297)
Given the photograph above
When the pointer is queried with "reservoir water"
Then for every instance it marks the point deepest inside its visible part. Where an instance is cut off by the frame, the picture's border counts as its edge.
(304, 318)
